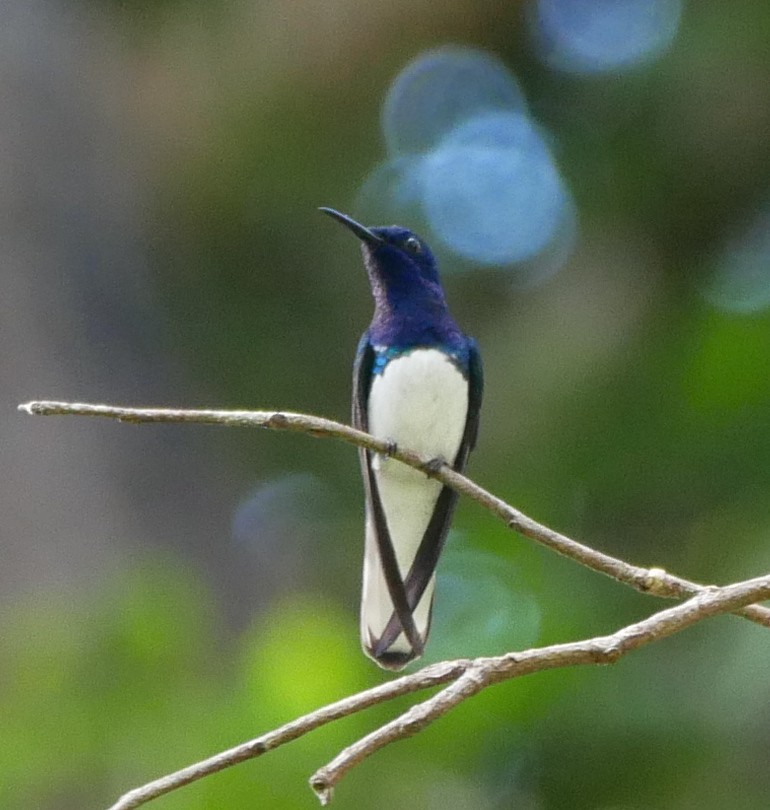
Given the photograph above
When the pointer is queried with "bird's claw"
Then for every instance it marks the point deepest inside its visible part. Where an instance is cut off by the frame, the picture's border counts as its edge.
(434, 465)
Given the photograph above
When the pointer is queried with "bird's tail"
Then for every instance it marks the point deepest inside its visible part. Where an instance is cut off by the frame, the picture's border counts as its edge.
(382, 634)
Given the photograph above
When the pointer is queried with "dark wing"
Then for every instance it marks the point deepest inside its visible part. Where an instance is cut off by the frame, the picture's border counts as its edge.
(402, 617)
(432, 543)
(475, 395)
(362, 383)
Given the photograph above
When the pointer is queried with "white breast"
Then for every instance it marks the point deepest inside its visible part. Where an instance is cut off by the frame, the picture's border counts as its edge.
(420, 401)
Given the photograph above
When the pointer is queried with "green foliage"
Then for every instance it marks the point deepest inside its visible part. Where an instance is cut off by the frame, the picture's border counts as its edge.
(113, 685)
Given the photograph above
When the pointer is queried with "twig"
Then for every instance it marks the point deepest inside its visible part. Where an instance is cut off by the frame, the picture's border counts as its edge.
(654, 581)
(484, 672)
(433, 675)
(466, 677)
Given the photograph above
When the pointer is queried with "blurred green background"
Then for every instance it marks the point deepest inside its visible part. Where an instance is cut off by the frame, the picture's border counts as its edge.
(169, 591)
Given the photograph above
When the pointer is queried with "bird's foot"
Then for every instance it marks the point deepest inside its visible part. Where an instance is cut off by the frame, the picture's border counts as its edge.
(378, 459)
(430, 468)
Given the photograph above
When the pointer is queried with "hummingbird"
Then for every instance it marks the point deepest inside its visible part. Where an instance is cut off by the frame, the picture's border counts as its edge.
(417, 384)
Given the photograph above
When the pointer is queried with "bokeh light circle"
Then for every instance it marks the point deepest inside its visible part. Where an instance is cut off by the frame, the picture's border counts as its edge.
(741, 281)
(469, 169)
(491, 191)
(594, 36)
(278, 509)
(440, 89)
(392, 193)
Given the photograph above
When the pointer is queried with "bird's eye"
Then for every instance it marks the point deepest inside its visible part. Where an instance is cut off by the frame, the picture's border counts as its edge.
(412, 244)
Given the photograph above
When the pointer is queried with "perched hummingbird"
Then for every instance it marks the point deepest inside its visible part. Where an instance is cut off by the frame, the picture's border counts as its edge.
(417, 382)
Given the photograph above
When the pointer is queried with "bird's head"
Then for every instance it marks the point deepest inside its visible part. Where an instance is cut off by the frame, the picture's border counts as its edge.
(398, 261)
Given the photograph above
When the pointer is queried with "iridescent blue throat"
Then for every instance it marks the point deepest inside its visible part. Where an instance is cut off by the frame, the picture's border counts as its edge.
(384, 354)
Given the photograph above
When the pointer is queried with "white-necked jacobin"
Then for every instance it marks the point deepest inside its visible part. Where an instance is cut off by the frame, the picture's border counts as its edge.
(417, 383)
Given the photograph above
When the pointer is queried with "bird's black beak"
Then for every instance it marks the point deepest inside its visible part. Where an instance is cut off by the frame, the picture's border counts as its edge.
(363, 233)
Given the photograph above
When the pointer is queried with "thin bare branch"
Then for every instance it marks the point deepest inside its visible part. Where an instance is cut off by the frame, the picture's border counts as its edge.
(654, 581)
(466, 677)
(433, 675)
(484, 672)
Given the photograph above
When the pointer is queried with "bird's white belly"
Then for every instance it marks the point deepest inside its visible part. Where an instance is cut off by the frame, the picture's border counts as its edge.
(420, 401)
